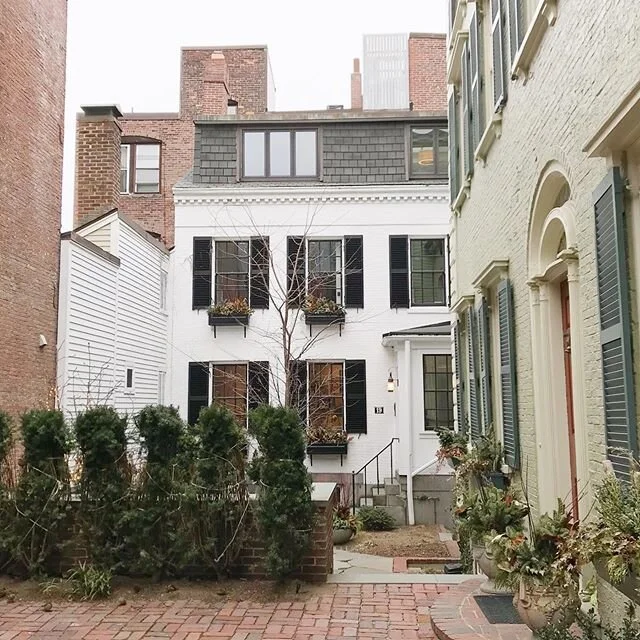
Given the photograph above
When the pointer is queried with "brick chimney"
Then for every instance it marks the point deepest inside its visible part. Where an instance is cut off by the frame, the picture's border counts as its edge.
(356, 86)
(428, 71)
(215, 91)
(97, 186)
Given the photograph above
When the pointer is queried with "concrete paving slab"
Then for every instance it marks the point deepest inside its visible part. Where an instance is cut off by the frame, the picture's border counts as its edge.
(354, 577)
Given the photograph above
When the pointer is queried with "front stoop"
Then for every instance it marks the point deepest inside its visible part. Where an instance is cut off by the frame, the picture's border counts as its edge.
(456, 616)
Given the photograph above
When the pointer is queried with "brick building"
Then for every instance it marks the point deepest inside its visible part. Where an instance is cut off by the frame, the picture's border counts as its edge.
(32, 88)
(142, 155)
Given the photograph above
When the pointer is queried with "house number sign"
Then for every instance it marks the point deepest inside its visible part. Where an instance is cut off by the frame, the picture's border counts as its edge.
(378, 410)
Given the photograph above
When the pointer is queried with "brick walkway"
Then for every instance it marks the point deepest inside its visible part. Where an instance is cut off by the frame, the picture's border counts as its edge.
(364, 612)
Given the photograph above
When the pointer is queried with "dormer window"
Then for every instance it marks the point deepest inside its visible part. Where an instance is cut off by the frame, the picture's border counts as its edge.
(279, 154)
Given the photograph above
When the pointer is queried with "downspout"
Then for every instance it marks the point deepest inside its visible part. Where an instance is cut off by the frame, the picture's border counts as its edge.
(409, 430)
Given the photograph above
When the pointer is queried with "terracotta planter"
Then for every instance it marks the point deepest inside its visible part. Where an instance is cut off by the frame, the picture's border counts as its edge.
(541, 606)
(342, 536)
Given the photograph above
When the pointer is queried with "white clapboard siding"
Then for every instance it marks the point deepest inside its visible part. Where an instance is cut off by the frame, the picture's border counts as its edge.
(101, 236)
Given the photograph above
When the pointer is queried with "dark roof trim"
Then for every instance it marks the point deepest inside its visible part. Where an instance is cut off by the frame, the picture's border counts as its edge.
(87, 244)
(439, 329)
(139, 140)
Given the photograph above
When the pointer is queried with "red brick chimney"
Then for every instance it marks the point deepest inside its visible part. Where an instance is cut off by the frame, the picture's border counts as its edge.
(428, 71)
(215, 92)
(97, 162)
(356, 86)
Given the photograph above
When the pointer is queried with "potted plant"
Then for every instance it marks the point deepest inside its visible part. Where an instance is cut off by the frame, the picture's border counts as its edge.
(543, 568)
(321, 310)
(329, 440)
(612, 543)
(483, 514)
(230, 312)
(453, 446)
(345, 524)
(483, 463)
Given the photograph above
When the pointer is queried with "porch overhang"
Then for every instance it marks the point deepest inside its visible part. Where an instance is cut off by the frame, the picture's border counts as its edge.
(440, 331)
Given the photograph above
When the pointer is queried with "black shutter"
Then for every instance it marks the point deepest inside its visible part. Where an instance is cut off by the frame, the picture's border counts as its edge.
(356, 395)
(198, 393)
(259, 287)
(615, 323)
(477, 94)
(258, 384)
(510, 429)
(201, 292)
(459, 380)
(295, 271)
(399, 271)
(298, 391)
(354, 272)
(454, 152)
(499, 54)
(484, 361)
(472, 345)
(467, 142)
(516, 26)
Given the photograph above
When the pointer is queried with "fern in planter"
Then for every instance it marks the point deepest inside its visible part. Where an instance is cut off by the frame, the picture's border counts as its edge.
(285, 509)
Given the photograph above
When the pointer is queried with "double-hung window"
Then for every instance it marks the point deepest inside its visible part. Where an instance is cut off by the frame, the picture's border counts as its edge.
(429, 152)
(140, 168)
(232, 270)
(279, 154)
(326, 395)
(230, 389)
(324, 269)
(438, 391)
(428, 272)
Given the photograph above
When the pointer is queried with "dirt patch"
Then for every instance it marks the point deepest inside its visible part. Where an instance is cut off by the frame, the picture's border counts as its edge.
(143, 590)
(418, 541)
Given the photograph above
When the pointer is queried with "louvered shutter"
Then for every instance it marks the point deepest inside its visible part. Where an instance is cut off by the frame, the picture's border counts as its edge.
(459, 380)
(198, 391)
(474, 414)
(258, 381)
(467, 142)
(516, 26)
(298, 377)
(510, 430)
(484, 362)
(356, 396)
(259, 273)
(477, 99)
(499, 64)
(615, 322)
(295, 271)
(201, 283)
(399, 271)
(354, 272)
(454, 152)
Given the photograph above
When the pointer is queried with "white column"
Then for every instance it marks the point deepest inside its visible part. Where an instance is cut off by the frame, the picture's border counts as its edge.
(408, 430)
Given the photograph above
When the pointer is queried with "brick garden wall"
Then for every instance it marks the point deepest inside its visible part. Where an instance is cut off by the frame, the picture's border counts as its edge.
(32, 89)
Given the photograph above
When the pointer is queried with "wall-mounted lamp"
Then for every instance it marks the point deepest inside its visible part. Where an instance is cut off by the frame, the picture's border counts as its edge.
(391, 385)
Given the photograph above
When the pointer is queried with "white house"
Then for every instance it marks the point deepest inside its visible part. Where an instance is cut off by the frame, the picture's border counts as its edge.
(348, 206)
(112, 317)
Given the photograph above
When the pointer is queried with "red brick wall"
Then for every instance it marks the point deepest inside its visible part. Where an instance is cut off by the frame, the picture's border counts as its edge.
(356, 86)
(427, 71)
(32, 77)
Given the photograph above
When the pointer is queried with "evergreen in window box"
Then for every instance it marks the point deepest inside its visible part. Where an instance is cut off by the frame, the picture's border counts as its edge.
(483, 463)
(322, 311)
(230, 312)
(327, 440)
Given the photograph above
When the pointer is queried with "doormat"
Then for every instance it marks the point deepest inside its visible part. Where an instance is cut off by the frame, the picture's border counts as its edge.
(498, 609)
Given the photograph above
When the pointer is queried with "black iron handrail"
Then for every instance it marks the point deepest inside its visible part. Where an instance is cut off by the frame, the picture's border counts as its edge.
(375, 459)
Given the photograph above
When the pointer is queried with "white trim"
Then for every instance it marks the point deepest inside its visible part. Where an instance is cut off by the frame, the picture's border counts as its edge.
(129, 391)
(293, 195)
(490, 135)
(543, 17)
(455, 57)
(495, 271)
(462, 196)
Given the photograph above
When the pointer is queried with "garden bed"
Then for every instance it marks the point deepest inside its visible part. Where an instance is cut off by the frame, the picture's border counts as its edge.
(418, 541)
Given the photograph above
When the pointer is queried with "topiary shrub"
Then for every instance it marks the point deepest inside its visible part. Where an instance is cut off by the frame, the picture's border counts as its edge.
(285, 510)
(376, 519)
(42, 493)
(104, 483)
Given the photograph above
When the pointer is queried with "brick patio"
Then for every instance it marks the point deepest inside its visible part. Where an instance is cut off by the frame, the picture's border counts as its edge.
(364, 612)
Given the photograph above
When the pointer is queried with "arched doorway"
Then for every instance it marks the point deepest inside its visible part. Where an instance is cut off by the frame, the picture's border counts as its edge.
(556, 344)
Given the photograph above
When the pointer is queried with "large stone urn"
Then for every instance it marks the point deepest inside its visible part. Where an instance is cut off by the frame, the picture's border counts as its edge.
(540, 606)
(485, 561)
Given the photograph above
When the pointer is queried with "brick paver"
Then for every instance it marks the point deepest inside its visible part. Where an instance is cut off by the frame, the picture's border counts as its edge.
(363, 612)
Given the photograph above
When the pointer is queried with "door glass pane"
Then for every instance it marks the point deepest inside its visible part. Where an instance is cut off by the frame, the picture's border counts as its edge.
(253, 156)
(438, 391)
(306, 155)
(422, 152)
(280, 153)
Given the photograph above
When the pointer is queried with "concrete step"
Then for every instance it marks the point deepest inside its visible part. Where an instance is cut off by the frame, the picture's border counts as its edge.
(366, 502)
(395, 501)
(380, 501)
(392, 489)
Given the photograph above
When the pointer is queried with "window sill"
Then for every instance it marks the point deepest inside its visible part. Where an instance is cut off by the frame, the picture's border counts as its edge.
(544, 17)
(454, 70)
(463, 195)
(428, 435)
(491, 133)
(138, 195)
(430, 309)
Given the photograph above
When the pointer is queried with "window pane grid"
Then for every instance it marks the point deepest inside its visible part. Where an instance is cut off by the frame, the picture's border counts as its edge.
(230, 389)
(438, 391)
(325, 269)
(429, 152)
(428, 275)
(232, 271)
(280, 154)
(326, 395)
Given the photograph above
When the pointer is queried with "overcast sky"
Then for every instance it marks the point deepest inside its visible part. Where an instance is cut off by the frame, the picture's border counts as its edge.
(127, 52)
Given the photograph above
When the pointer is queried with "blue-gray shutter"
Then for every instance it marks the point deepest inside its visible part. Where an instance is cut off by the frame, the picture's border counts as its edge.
(615, 322)
(467, 142)
(516, 26)
(454, 151)
(459, 380)
(198, 390)
(484, 357)
(499, 54)
(356, 396)
(472, 355)
(477, 99)
(510, 431)
(201, 273)
(353, 272)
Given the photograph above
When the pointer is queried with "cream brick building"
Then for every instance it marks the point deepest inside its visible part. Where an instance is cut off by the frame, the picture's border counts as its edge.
(544, 104)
